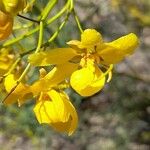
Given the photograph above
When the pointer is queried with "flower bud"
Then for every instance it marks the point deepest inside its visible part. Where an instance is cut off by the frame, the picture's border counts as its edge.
(6, 24)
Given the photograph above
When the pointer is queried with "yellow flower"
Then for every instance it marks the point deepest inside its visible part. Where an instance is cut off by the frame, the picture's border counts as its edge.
(12, 6)
(6, 24)
(92, 55)
(54, 108)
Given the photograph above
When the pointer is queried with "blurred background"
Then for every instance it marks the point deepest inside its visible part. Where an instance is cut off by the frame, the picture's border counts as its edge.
(117, 118)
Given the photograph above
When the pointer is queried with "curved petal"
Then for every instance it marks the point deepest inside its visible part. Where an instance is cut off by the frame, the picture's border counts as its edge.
(72, 122)
(58, 74)
(117, 50)
(77, 45)
(90, 37)
(54, 56)
(9, 82)
(20, 94)
(86, 82)
(50, 108)
(58, 102)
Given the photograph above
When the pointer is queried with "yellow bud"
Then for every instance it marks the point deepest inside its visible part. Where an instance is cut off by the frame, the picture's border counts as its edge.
(13, 6)
(90, 37)
(6, 24)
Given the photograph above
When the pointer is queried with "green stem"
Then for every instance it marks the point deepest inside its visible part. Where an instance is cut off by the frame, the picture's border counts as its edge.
(48, 8)
(77, 21)
(30, 19)
(59, 29)
(36, 51)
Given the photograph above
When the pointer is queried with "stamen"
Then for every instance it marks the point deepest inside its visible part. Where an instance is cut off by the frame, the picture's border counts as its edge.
(107, 72)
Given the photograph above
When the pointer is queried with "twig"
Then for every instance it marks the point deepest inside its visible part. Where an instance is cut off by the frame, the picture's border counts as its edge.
(30, 19)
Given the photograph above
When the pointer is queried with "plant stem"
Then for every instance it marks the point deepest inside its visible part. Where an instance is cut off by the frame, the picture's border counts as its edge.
(77, 21)
(48, 8)
(30, 19)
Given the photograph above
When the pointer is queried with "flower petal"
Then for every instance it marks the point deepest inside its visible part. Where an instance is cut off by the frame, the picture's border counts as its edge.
(58, 74)
(86, 82)
(51, 109)
(117, 50)
(75, 44)
(72, 122)
(90, 37)
(54, 56)
(20, 94)
(9, 82)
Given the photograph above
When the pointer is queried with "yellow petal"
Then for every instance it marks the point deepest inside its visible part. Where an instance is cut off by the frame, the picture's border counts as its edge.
(117, 50)
(86, 82)
(52, 109)
(90, 37)
(20, 94)
(62, 126)
(54, 56)
(72, 122)
(77, 45)
(73, 113)
(9, 82)
(54, 77)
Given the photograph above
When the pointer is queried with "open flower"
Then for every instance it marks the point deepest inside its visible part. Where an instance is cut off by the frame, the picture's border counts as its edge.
(6, 24)
(53, 106)
(92, 55)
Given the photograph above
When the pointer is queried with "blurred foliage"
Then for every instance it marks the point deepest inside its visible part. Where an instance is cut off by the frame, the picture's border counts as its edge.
(116, 118)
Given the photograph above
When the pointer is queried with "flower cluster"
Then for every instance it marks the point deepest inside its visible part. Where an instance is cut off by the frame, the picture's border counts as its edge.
(85, 66)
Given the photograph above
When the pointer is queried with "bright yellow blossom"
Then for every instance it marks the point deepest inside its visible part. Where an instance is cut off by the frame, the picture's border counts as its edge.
(91, 54)
(53, 106)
